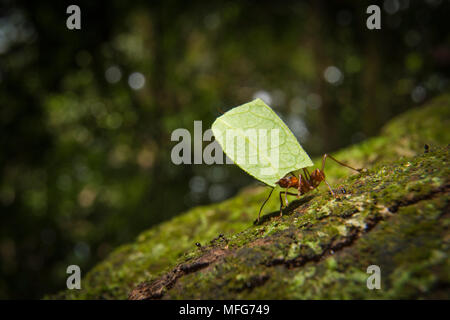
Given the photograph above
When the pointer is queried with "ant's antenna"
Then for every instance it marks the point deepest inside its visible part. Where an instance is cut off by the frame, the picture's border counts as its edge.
(259, 214)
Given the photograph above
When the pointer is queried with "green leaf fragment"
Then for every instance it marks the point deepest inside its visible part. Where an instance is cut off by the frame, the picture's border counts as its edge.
(258, 141)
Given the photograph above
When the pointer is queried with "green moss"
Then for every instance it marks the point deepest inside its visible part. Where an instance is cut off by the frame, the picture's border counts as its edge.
(328, 258)
(393, 215)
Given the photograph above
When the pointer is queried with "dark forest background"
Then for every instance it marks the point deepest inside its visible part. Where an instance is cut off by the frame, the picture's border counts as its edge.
(86, 116)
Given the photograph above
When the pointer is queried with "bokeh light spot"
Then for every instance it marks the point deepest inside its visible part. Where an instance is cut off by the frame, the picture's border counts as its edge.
(136, 80)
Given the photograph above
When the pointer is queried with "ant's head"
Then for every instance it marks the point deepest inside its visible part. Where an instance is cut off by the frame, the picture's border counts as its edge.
(287, 181)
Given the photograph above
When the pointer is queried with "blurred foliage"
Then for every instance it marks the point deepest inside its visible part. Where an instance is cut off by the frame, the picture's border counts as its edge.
(86, 116)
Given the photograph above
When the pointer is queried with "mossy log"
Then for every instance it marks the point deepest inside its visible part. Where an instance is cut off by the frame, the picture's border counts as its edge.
(394, 215)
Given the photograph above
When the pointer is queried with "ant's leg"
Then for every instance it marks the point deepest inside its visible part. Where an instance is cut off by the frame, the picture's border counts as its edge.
(281, 200)
(307, 175)
(285, 194)
(260, 209)
(281, 204)
(325, 156)
(299, 189)
(285, 198)
(308, 178)
(329, 187)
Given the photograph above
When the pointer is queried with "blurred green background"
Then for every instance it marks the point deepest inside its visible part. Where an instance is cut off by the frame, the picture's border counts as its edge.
(86, 116)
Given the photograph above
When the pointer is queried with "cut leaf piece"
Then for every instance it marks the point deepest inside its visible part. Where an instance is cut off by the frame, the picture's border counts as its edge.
(258, 141)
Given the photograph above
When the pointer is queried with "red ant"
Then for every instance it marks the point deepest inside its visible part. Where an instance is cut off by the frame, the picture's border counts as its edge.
(304, 183)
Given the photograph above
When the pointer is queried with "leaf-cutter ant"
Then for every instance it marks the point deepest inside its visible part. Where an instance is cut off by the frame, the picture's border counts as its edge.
(303, 183)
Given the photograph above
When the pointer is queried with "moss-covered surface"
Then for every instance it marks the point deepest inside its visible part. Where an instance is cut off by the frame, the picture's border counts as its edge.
(395, 216)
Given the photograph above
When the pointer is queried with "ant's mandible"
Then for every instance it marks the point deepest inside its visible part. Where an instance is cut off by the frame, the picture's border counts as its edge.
(303, 183)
